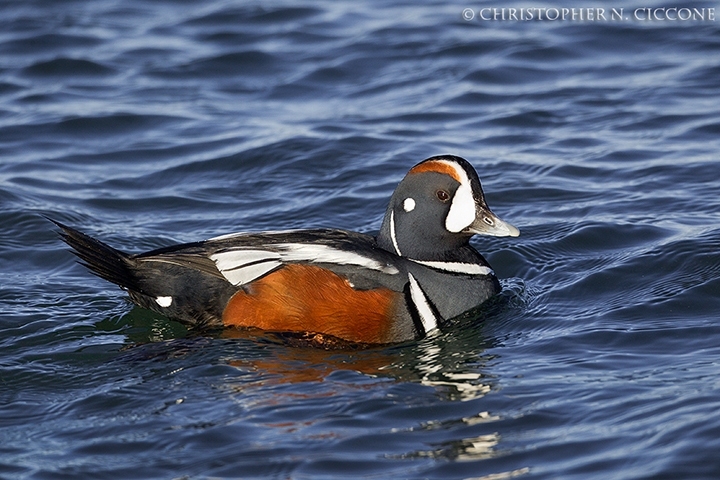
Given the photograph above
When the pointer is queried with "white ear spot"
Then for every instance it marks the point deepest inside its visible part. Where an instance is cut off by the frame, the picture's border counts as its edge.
(462, 209)
(164, 301)
(409, 205)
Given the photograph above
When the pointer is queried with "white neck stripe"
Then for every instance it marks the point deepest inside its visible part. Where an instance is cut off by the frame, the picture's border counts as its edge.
(392, 233)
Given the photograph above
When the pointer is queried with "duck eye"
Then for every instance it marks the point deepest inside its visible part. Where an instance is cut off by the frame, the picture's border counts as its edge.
(442, 195)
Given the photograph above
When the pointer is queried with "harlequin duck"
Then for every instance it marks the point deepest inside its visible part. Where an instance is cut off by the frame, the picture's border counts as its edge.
(417, 272)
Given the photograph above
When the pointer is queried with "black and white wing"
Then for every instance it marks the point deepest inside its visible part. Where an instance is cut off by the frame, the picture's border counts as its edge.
(243, 258)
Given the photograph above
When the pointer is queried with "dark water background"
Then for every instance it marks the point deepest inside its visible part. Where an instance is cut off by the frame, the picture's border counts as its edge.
(150, 123)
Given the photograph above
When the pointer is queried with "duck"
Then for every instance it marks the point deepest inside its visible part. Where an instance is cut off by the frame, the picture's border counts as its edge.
(418, 273)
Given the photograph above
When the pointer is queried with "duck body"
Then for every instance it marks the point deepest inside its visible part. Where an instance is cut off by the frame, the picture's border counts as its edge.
(417, 273)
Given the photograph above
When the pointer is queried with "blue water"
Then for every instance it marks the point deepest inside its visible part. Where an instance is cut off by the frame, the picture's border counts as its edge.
(151, 123)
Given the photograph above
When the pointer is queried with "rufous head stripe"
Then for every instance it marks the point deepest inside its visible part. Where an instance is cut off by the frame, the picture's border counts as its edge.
(438, 166)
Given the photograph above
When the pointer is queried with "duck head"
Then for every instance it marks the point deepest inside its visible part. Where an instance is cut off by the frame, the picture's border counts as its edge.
(436, 209)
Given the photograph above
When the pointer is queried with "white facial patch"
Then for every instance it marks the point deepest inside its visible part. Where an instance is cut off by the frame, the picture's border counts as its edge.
(462, 208)
(409, 205)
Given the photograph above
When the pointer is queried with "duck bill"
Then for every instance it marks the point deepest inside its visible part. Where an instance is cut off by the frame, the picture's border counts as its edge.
(487, 223)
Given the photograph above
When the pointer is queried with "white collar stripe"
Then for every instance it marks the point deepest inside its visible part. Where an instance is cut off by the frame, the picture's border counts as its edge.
(458, 267)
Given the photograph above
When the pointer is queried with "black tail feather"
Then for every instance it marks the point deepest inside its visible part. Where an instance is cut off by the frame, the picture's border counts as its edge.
(101, 259)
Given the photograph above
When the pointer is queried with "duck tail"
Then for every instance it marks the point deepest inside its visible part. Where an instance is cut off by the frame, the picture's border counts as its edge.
(101, 259)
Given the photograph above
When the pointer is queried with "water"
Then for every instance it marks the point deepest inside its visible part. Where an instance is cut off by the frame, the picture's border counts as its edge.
(148, 124)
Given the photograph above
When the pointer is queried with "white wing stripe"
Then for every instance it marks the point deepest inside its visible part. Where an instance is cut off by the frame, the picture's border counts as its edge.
(228, 236)
(427, 317)
(235, 259)
(301, 252)
(244, 275)
(241, 266)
